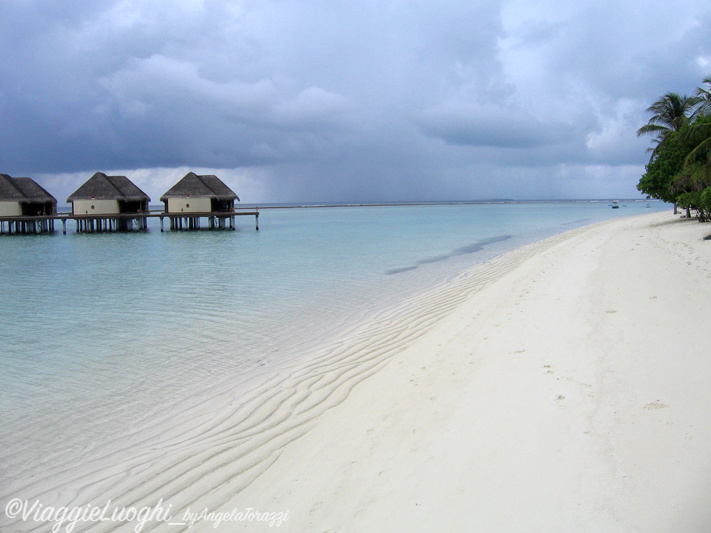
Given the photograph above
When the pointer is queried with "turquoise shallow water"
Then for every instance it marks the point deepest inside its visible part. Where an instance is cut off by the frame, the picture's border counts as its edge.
(127, 324)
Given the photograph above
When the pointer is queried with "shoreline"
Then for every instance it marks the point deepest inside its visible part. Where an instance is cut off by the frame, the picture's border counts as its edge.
(411, 383)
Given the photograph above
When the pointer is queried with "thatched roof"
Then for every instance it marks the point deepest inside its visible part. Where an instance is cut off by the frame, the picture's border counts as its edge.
(23, 190)
(195, 186)
(103, 187)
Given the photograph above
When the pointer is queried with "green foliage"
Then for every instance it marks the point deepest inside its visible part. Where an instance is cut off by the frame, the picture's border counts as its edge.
(667, 162)
(688, 200)
(693, 200)
(689, 186)
(704, 204)
(691, 178)
(680, 168)
(706, 199)
(698, 135)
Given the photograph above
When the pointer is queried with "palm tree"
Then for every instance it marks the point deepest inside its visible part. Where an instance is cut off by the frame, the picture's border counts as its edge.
(699, 132)
(703, 96)
(699, 135)
(670, 113)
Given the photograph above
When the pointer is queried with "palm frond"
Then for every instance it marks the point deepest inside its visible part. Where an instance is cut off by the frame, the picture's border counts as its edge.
(649, 129)
(703, 96)
(698, 153)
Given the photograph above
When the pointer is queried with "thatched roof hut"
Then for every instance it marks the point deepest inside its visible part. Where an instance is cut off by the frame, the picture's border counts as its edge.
(199, 194)
(24, 197)
(102, 194)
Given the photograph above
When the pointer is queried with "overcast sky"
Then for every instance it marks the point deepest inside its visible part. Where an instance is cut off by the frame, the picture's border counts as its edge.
(335, 100)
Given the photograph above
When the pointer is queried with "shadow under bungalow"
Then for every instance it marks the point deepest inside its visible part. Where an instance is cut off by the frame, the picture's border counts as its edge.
(114, 203)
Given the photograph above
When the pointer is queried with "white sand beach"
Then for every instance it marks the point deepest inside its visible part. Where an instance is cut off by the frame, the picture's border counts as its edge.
(570, 394)
(563, 386)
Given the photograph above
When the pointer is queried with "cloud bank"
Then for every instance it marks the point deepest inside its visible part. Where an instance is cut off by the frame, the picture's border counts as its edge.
(326, 100)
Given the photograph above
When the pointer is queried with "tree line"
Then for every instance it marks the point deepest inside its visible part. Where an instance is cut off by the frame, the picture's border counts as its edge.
(679, 169)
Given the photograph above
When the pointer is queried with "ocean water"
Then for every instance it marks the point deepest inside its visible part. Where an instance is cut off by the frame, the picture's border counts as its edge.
(101, 333)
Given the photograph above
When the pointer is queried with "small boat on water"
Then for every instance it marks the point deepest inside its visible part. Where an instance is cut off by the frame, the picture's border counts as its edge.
(615, 204)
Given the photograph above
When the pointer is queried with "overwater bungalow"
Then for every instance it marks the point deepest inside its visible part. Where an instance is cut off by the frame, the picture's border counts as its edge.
(197, 196)
(25, 206)
(106, 203)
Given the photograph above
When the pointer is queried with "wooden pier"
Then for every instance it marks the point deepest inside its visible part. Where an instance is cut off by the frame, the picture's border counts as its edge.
(110, 223)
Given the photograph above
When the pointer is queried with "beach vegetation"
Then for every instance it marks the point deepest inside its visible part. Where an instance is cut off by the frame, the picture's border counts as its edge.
(670, 113)
(667, 162)
(698, 136)
(706, 200)
(679, 169)
(703, 95)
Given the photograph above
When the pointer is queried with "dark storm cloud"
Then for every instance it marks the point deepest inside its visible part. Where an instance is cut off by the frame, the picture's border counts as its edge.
(463, 124)
(339, 100)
